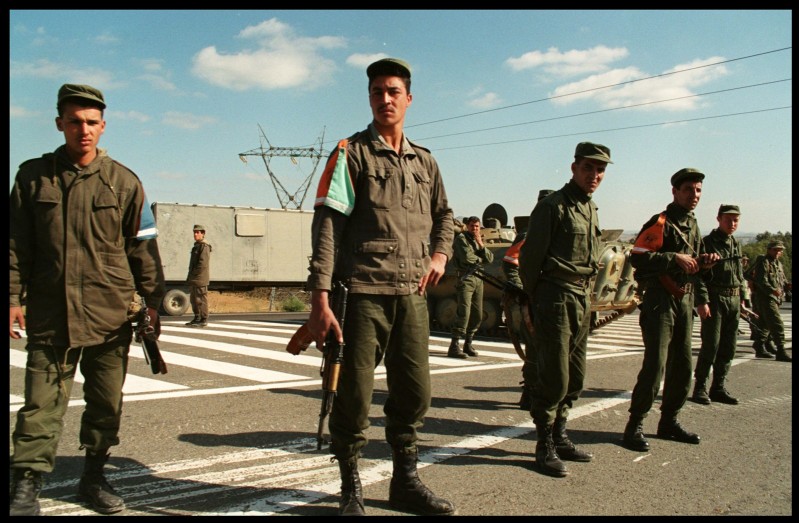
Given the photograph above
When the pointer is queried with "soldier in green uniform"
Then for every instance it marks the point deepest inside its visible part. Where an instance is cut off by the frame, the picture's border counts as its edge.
(667, 256)
(769, 284)
(468, 250)
(199, 277)
(510, 267)
(726, 287)
(82, 243)
(383, 225)
(556, 271)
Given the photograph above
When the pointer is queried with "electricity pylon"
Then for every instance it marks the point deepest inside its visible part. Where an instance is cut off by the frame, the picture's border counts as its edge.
(267, 151)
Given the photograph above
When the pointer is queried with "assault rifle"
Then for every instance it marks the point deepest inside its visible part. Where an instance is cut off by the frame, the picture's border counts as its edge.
(332, 355)
(144, 333)
(503, 285)
(675, 290)
(749, 316)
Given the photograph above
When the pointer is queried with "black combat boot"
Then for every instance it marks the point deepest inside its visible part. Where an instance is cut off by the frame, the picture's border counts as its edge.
(25, 489)
(94, 488)
(565, 447)
(194, 321)
(760, 352)
(546, 456)
(202, 322)
(701, 373)
(408, 493)
(634, 434)
(467, 347)
(670, 428)
(455, 351)
(719, 393)
(781, 354)
(769, 347)
(351, 503)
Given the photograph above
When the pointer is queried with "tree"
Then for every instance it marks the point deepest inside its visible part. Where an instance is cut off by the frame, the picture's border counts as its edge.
(759, 246)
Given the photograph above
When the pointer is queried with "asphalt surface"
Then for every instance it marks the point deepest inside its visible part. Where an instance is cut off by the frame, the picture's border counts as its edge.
(231, 430)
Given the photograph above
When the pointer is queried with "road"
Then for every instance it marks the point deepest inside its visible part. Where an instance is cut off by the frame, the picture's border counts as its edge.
(230, 429)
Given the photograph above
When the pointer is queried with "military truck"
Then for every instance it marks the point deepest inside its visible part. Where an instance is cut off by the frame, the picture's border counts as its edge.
(613, 288)
(252, 247)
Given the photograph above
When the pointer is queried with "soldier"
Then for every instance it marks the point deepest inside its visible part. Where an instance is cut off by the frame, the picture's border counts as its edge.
(381, 223)
(81, 259)
(769, 284)
(726, 287)
(667, 256)
(510, 266)
(556, 270)
(468, 250)
(199, 277)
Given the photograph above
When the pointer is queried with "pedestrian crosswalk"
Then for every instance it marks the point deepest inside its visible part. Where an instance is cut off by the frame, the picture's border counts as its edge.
(234, 355)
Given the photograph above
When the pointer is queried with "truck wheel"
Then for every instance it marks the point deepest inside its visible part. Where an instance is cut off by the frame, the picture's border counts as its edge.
(175, 303)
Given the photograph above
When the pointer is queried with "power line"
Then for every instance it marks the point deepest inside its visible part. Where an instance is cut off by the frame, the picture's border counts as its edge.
(602, 110)
(614, 129)
(598, 88)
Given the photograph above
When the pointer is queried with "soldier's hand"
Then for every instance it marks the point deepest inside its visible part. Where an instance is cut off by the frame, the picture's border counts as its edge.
(703, 311)
(155, 321)
(438, 263)
(322, 319)
(15, 316)
(687, 263)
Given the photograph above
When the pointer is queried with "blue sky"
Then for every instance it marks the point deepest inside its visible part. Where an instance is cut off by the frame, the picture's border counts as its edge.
(500, 97)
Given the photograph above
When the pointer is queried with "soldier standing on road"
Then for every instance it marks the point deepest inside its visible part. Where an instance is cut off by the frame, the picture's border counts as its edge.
(556, 270)
(726, 287)
(199, 277)
(667, 256)
(82, 244)
(510, 266)
(383, 225)
(769, 284)
(468, 250)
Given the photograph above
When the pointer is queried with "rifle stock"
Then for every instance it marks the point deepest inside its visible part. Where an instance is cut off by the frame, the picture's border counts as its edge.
(144, 333)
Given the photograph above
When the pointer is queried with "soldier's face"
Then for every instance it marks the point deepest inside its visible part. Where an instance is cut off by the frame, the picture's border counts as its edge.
(588, 173)
(473, 228)
(728, 223)
(389, 99)
(687, 195)
(82, 128)
(775, 252)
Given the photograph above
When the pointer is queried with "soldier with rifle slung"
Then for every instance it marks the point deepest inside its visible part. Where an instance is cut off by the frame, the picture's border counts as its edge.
(726, 287)
(383, 226)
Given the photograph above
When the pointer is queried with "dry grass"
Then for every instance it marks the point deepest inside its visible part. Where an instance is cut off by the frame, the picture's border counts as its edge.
(266, 299)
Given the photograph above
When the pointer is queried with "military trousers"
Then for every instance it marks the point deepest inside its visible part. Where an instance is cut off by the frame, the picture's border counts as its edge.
(562, 319)
(719, 337)
(770, 323)
(469, 314)
(666, 325)
(199, 301)
(49, 376)
(395, 329)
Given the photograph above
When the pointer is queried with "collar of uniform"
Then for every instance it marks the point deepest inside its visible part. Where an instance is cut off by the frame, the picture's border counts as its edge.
(574, 193)
(63, 157)
(376, 137)
(679, 214)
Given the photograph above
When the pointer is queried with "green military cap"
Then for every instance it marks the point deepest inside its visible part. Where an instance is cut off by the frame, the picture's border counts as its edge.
(198, 227)
(688, 173)
(389, 67)
(543, 193)
(776, 244)
(593, 151)
(727, 208)
(86, 92)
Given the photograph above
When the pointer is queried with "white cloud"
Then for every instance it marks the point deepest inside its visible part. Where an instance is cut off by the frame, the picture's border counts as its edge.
(44, 68)
(105, 38)
(362, 61)
(186, 120)
(680, 86)
(485, 101)
(282, 60)
(568, 63)
(128, 115)
(15, 111)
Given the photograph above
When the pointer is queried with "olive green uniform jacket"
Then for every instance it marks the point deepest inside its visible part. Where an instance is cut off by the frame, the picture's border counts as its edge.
(75, 252)
(200, 264)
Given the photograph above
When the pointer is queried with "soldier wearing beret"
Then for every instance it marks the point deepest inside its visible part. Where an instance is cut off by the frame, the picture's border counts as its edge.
(726, 287)
(81, 259)
(556, 271)
(667, 256)
(769, 283)
(382, 224)
(199, 277)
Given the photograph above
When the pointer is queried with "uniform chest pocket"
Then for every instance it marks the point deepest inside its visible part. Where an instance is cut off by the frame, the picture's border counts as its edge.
(107, 216)
(423, 185)
(382, 187)
(48, 196)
